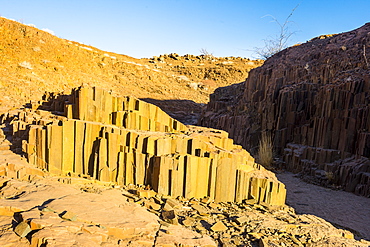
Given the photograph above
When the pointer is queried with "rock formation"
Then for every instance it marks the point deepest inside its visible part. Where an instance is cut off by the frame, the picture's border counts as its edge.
(107, 170)
(38, 210)
(41, 209)
(314, 99)
(127, 141)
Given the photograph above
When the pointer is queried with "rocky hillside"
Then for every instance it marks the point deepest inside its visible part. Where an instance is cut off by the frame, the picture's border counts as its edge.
(33, 62)
(314, 99)
(91, 167)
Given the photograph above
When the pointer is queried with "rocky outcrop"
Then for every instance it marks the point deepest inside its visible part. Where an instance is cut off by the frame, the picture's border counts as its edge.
(41, 209)
(315, 100)
(122, 140)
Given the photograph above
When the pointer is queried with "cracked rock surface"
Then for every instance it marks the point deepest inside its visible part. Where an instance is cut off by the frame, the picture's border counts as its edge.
(43, 210)
(40, 210)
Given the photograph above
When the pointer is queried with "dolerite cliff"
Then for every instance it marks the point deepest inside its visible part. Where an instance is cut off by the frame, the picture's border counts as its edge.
(314, 99)
(94, 134)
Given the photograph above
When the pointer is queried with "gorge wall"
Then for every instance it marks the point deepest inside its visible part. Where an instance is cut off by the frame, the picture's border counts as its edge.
(123, 140)
(314, 99)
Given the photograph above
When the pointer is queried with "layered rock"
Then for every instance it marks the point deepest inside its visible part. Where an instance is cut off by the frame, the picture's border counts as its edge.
(122, 140)
(315, 100)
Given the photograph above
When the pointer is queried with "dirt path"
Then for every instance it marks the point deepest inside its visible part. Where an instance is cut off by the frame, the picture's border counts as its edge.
(341, 208)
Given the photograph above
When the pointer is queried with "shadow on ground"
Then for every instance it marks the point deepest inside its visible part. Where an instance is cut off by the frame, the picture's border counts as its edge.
(185, 111)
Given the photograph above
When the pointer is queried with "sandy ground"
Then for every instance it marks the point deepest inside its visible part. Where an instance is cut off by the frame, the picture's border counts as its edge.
(343, 209)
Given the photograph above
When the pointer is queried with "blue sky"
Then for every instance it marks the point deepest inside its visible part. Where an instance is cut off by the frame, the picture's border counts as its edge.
(146, 28)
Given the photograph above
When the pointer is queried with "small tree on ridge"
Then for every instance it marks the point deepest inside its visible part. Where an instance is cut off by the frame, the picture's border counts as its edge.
(278, 43)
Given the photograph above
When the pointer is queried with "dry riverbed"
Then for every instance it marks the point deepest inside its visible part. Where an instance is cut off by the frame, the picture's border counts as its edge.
(343, 209)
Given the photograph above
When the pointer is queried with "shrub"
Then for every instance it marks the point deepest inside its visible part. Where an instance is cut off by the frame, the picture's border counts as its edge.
(330, 176)
(265, 150)
(206, 53)
(277, 43)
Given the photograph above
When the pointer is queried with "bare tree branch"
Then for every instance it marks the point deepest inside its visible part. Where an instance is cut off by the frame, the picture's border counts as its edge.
(205, 53)
(275, 44)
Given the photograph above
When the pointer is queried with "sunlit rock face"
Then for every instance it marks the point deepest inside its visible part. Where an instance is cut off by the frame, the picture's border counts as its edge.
(123, 140)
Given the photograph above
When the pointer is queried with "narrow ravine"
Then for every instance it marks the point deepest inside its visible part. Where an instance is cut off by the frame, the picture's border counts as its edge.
(343, 209)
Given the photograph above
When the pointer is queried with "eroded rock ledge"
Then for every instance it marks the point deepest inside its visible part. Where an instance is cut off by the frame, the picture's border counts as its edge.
(315, 100)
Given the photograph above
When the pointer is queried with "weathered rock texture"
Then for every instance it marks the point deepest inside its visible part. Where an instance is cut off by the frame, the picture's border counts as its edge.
(127, 141)
(315, 100)
(39, 209)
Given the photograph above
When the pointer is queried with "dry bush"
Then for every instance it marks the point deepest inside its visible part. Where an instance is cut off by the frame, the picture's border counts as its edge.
(265, 150)
(330, 176)
(206, 53)
(279, 42)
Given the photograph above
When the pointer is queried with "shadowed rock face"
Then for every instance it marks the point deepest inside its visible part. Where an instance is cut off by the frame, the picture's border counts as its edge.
(315, 100)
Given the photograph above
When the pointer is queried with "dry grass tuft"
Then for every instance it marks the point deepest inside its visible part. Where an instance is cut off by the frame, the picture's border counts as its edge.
(330, 176)
(265, 150)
